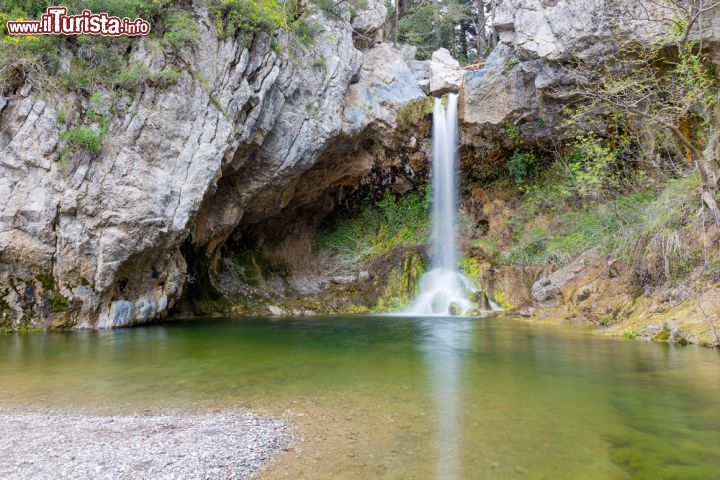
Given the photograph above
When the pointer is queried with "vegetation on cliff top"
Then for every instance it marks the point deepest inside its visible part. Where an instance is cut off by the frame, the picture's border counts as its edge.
(98, 62)
(465, 27)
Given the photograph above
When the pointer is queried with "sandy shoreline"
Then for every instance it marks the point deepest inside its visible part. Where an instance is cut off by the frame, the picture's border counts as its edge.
(53, 444)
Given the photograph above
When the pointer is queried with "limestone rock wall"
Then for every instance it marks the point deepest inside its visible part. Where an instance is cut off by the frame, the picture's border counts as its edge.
(526, 82)
(97, 243)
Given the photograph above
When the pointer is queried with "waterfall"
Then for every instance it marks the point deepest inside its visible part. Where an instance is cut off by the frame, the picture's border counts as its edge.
(444, 290)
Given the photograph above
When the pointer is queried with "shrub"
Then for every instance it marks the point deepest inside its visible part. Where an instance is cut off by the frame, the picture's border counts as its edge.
(84, 137)
(520, 165)
(615, 226)
(247, 17)
(305, 30)
(513, 132)
(136, 73)
(181, 31)
(96, 60)
(593, 166)
(378, 228)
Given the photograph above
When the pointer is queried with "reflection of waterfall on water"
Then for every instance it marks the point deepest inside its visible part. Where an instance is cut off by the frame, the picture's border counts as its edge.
(444, 290)
(445, 341)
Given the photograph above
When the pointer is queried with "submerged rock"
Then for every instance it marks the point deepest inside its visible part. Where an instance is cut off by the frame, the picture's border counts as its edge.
(455, 309)
(481, 300)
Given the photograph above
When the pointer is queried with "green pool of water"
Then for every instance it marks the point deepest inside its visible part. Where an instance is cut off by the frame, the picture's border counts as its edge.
(386, 397)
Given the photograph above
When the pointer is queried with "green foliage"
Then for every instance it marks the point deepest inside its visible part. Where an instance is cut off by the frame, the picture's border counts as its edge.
(432, 25)
(46, 280)
(335, 8)
(472, 268)
(380, 227)
(503, 301)
(520, 165)
(678, 27)
(181, 30)
(59, 304)
(629, 334)
(135, 74)
(320, 62)
(95, 61)
(509, 65)
(697, 82)
(305, 31)
(84, 137)
(592, 166)
(250, 267)
(64, 160)
(513, 133)
(549, 191)
(401, 284)
(614, 226)
(61, 115)
(24, 330)
(588, 170)
(668, 87)
(487, 246)
(246, 17)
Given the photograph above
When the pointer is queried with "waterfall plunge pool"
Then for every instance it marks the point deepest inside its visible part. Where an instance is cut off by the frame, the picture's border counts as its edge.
(378, 397)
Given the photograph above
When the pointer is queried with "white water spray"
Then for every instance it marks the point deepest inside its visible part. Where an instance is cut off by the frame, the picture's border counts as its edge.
(444, 290)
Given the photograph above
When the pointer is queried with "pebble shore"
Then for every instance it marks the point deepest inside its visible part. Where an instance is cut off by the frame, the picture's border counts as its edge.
(51, 445)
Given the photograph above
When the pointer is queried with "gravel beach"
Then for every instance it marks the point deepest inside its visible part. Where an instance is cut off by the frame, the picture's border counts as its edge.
(50, 444)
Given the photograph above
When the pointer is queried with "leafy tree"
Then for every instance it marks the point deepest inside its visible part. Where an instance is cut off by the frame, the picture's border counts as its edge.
(676, 94)
(452, 24)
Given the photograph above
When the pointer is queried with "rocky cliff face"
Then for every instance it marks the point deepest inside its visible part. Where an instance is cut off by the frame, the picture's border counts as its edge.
(526, 81)
(96, 243)
(248, 135)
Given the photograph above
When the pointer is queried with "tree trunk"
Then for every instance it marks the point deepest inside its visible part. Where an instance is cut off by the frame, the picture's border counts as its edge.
(397, 20)
(436, 29)
(391, 26)
(493, 33)
(480, 43)
(707, 166)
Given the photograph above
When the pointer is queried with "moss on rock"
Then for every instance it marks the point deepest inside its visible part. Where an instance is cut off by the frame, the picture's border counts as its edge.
(401, 284)
(413, 113)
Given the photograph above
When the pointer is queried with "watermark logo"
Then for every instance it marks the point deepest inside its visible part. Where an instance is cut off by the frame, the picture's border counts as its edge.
(56, 21)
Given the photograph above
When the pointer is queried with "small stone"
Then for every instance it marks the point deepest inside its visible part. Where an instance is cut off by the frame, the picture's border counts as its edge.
(343, 279)
(455, 309)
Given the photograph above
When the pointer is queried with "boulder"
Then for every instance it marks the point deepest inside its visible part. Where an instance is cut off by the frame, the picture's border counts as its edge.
(455, 309)
(385, 83)
(445, 73)
(368, 22)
